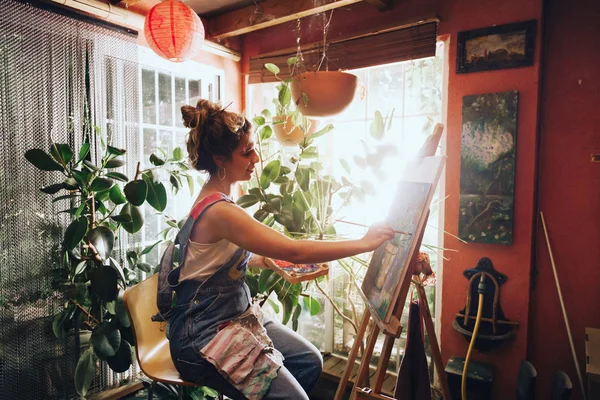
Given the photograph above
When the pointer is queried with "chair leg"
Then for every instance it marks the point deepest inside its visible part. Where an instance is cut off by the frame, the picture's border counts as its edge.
(151, 390)
(220, 396)
(179, 392)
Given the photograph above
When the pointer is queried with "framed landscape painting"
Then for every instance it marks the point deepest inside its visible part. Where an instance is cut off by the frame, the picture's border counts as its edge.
(498, 47)
(487, 167)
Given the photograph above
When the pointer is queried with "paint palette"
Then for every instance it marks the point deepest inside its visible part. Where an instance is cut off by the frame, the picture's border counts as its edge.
(295, 273)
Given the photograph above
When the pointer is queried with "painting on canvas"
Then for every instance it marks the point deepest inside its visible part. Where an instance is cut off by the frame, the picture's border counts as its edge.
(487, 167)
(389, 260)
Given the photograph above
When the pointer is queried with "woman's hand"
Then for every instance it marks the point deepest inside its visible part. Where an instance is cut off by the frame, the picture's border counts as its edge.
(376, 235)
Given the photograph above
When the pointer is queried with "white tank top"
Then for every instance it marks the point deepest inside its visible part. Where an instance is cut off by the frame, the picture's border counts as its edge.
(204, 259)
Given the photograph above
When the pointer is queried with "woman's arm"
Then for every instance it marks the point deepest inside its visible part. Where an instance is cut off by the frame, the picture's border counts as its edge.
(230, 222)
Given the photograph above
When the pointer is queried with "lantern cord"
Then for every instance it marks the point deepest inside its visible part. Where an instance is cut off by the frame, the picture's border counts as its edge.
(325, 30)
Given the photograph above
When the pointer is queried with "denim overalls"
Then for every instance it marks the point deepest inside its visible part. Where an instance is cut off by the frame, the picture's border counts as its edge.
(203, 307)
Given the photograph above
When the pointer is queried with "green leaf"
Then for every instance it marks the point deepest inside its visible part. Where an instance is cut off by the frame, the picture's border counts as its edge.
(115, 264)
(274, 69)
(292, 60)
(116, 195)
(142, 266)
(345, 165)
(266, 113)
(157, 196)
(260, 215)
(377, 128)
(42, 161)
(247, 200)
(83, 151)
(71, 184)
(328, 128)
(100, 184)
(106, 339)
(121, 361)
(313, 305)
(177, 154)
(267, 280)
(58, 323)
(295, 316)
(303, 177)
(149, 248)
(270, 173)
(90, 165)
(114, 164)
(137, 219)
(117, 175)
(75, 232)
(287, 309)
(81, 176)
(155, 160)
(258, 120)
(104, 282)
(284, 96)
(285, 219)
(121, 218)
(190, 182)
(61, 153)
(103, 240)
(115, 151)
(136, 192)
(266, 132)
(80, 268)
(85, 372)
(300, 201)
(274, 306)
(51, 189)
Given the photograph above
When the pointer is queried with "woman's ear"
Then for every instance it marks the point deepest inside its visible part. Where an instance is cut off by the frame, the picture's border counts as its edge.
(219, 160)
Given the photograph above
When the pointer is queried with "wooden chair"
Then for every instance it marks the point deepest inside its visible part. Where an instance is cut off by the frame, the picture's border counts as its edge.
(151, 343)
(561, 386)
(526, 381)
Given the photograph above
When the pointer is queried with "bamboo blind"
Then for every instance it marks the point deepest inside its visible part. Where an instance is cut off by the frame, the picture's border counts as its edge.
(414, 42)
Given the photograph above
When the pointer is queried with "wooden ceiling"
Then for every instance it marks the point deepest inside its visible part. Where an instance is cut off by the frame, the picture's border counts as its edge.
(228, 18)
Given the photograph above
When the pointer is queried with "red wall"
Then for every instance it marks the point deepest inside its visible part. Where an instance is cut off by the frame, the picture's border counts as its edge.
(515, 260)
(569, 190)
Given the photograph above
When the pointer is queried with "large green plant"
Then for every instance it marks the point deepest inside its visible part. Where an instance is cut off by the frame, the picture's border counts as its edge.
(104, 206)
(295, 195)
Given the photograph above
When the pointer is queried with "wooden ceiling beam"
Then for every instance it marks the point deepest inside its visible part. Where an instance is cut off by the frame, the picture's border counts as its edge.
(382, 5)
(267, 13)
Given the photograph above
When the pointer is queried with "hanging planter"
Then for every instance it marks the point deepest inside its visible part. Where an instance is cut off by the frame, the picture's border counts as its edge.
(173, 30)
(323, 93)
(289, 134)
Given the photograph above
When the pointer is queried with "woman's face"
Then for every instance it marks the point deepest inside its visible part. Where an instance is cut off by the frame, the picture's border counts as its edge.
(240, 166)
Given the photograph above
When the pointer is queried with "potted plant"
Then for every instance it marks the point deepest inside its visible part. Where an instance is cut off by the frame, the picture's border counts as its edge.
(92, 271)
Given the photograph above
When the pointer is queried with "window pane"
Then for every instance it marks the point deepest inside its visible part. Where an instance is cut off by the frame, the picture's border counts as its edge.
(195, 89)
(148, 97)
(180, 100)
(384, 89)
(165, 109)
(149, 141)
(210, 92)
(423, 86)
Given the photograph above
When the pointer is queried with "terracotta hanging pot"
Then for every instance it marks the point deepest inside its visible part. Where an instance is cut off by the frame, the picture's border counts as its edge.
(328, 92)
(289, 135)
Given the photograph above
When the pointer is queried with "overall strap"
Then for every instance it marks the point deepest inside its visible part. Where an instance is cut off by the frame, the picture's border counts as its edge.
(165, 291)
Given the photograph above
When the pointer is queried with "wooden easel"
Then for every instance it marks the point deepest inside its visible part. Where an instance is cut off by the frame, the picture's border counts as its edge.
(393, 328)
(373, 391)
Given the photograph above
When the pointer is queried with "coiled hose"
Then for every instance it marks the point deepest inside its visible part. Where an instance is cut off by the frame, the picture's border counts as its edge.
(480, 290)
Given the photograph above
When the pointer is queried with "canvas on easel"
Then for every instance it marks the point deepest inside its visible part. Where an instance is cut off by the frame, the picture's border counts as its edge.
(388, 276)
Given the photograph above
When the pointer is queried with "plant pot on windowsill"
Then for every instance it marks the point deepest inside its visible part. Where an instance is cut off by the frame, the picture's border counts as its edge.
(289, 134)
(327, 92)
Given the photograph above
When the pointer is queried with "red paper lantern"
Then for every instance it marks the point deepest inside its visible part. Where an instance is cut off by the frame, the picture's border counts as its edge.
(173, 30)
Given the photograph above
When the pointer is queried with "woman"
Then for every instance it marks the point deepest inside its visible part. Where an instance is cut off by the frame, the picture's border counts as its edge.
(213, 330)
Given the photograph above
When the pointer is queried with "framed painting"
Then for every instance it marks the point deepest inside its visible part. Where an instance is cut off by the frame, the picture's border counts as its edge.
(498, 47)
(487, 167)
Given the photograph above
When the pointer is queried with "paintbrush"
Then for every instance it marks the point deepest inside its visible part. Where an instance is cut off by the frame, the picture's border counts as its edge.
(367, 226)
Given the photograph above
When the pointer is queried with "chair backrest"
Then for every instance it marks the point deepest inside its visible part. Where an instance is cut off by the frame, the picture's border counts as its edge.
(561, 386)
(526, 381)
(151, 343)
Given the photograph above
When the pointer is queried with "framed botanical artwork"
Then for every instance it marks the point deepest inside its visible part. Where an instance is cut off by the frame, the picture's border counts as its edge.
(497, 47)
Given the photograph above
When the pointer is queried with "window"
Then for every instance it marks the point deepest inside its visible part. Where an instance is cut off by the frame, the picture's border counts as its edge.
(165, 87)
(411, 94)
